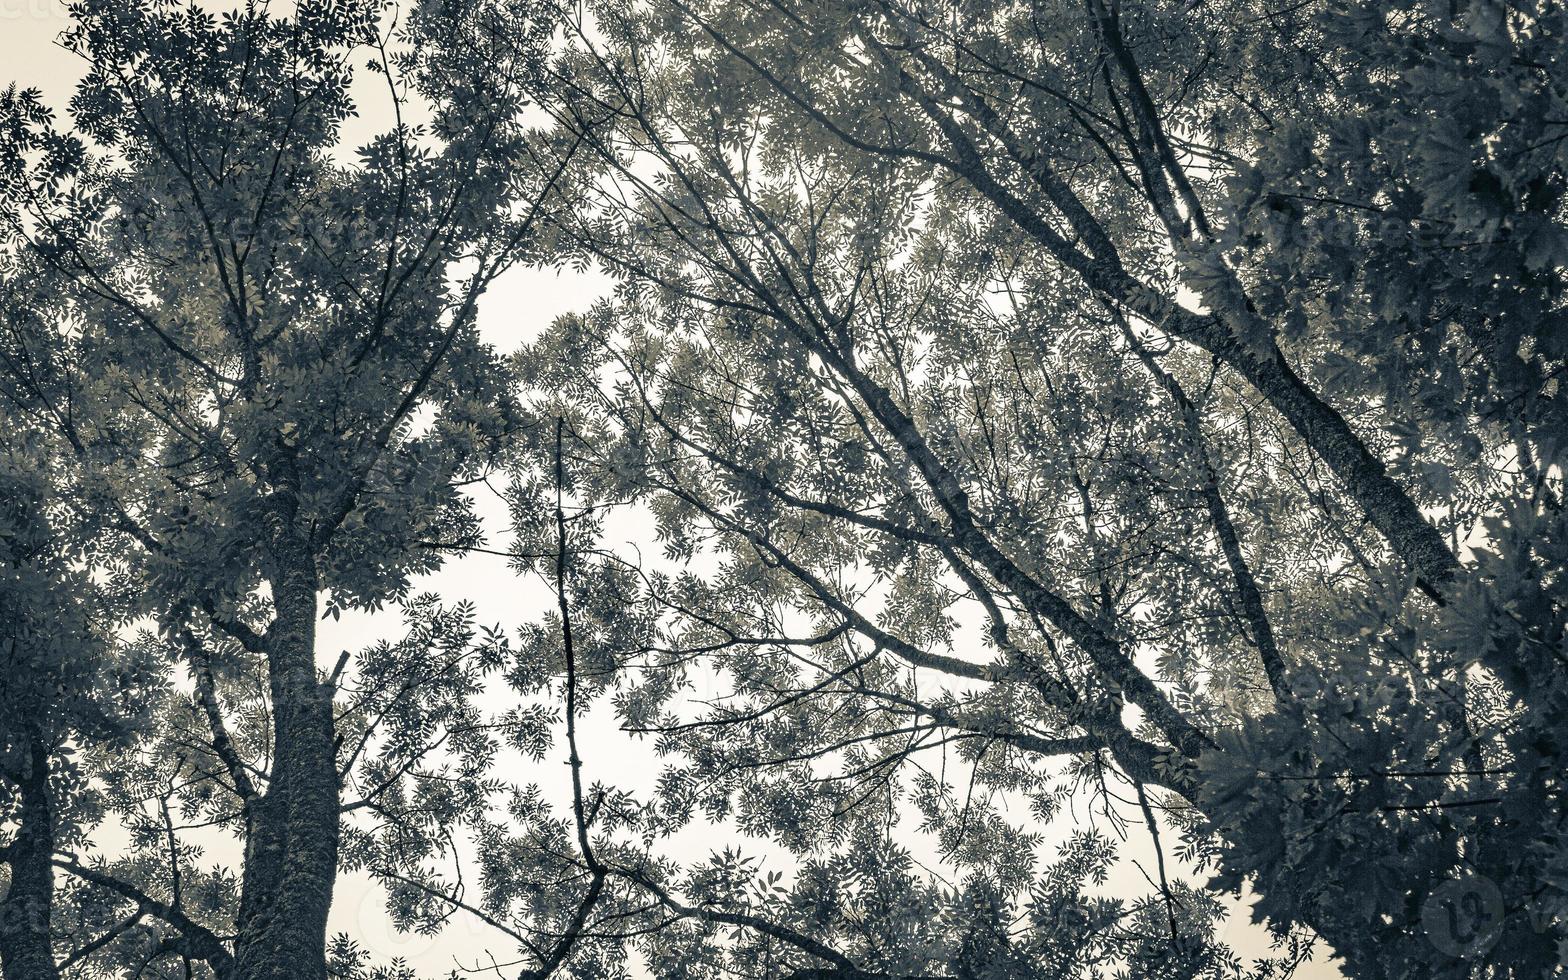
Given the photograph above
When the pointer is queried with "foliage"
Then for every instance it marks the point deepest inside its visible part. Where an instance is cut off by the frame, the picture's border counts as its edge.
(1183, 401)
(1099, 460)
(254, 349)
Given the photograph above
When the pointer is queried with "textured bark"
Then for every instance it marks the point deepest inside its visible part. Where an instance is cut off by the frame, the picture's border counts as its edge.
(291, 859)
(26, 952)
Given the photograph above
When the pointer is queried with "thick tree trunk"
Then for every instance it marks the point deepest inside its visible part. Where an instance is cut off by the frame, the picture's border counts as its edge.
(26, 952)
(291, 860)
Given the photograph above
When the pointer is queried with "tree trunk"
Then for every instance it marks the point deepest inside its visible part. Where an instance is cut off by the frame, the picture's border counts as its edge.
(26, 951)
(291, 859)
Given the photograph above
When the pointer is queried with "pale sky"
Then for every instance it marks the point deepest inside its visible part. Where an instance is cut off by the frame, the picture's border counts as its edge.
(520, 305)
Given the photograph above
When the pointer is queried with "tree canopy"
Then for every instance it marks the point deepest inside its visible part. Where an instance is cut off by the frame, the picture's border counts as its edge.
(1084, 464)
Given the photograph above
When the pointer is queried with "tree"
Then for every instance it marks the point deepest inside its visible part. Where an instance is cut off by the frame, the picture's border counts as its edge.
(1141, 416)
(1208, 363)
(260, 360)
(63, 695)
